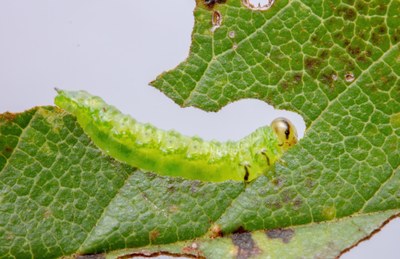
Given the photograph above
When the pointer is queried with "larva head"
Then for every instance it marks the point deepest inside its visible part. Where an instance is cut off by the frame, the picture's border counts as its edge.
(285, 131)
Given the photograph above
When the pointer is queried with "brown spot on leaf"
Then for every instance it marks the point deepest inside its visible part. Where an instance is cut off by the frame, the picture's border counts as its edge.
(297, 77)
(246, 247)
(361, 59)
(215, 231)
(9, 236)
(47, 213)
(328, 79)
(154, 234)
(210, 3)
(376, 39)
(273, 204)
(284, 234)
(337, 36)
(297, 202)
(173, 209)
(382, 8)
(361, 7)
(285, 85)
(278, 181)
(324, 54)
(8, 150)
(395, 34)
(347, 13)
(288, 195)
(313, 65)
(382, 29)
(354, 51)
(8, 116)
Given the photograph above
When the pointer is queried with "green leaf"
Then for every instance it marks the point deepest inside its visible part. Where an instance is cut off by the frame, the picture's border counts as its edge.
(54, 183)
(338, 65)
(60, 195)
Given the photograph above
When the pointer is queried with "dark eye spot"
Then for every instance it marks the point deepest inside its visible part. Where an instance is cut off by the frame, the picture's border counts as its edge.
(287, 133)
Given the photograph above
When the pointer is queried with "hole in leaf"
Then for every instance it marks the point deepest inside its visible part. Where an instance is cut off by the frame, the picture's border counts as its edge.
(216, 20)
(232, 122)
(349, 77)
(261, 5)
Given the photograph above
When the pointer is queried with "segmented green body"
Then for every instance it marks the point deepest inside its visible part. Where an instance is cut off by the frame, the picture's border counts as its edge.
(168, 152)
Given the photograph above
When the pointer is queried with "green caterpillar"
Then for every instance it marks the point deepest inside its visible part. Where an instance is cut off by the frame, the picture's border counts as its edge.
(168, 152)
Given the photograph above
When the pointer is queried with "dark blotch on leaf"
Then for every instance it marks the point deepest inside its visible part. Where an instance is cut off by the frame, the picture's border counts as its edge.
(354, 51)
(298, 77)
(395, 35)
(347, 13)
(313, 65)
(245, 245)
(297, 202)
(284, 234)
(327, 79)
(240, 230)
(382, 8)
(362, 59)
(8, 150)
(324, 54)
(361, 7)
(211, 3)
(376, 38)
(273, 204)
(154, 234)
(278, 181)
(382, 29)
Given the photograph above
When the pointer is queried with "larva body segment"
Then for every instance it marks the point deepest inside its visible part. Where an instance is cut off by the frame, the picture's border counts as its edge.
(168, 152)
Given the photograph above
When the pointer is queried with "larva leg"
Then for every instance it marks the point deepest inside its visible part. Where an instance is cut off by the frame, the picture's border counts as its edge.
(246, 173)
(264, 153)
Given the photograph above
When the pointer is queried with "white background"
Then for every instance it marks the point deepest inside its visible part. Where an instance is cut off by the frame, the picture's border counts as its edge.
(113, 49)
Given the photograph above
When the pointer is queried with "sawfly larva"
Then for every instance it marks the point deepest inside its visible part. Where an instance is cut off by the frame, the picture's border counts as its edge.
(172, 154)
